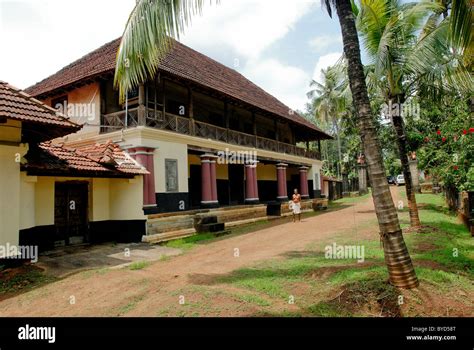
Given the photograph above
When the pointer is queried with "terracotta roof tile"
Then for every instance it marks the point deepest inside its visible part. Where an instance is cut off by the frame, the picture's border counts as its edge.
(105, 160)
(110, 154)
(18, 105)
(183, 62)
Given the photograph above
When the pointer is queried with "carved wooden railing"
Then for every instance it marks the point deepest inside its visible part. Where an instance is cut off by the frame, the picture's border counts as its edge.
(182, 125)
(117, 120)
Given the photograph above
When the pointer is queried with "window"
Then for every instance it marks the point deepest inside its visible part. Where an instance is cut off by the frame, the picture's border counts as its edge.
(171, 173)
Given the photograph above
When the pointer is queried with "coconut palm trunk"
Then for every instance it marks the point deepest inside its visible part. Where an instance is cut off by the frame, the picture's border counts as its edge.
(403, 153)
(339, 148)
(397, 258)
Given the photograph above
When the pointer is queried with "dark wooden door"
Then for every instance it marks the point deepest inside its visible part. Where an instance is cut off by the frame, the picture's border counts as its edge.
(195, 185)
(236, 184)
(71, 212)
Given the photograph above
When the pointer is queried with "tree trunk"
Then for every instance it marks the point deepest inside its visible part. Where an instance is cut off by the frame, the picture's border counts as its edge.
(339, 152)
(397, 258)
(398, 124)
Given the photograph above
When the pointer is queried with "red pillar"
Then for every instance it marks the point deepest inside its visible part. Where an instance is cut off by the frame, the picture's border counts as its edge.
(208, 181)
(281, 179)
(212, 166)
(251, 185)
(144, 156)
(255, 181)
(304, 182)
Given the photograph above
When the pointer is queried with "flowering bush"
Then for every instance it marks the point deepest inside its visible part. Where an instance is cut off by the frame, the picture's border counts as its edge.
(447, 150)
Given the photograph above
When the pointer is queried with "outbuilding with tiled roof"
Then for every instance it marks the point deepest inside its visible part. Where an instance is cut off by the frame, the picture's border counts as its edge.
(57, 195)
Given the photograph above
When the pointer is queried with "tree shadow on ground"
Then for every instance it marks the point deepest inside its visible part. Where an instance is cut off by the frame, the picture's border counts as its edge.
(366, 297)
(437, 208)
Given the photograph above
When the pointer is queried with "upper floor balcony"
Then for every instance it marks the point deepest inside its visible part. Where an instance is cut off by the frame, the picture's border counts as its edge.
(142, 116)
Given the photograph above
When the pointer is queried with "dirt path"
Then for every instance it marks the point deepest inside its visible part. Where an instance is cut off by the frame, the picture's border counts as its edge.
(110, 292)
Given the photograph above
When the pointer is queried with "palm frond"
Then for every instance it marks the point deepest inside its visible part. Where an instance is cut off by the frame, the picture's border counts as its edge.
(461, 24)
(147, 38)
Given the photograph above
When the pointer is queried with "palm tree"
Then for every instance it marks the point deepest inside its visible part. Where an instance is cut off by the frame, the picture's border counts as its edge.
(329, 104)
(397, 257)
(411, 56)
(145, 41)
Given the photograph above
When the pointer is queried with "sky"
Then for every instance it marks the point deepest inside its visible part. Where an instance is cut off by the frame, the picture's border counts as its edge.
(280, 45)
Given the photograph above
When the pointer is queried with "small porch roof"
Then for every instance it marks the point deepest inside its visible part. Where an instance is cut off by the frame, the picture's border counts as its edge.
(100, 160)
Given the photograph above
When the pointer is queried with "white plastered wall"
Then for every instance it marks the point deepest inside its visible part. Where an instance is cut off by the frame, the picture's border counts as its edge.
(109, 199)
(10, 193)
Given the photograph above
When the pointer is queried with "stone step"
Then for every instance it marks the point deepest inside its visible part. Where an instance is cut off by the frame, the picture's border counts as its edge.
(168, 236)
(320, 203)
(212, 227)
(163, 225)
(238, 214)
(209, 220)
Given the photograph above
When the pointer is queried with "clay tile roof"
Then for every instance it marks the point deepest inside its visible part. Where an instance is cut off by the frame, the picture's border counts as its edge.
(182, 62)
(18, 105)
(104, 160)
(110, 153)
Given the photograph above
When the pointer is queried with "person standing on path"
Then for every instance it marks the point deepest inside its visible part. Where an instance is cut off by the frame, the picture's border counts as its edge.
(296, 205)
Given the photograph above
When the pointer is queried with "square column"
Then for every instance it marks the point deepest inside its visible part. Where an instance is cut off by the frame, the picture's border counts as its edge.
(281, 179)
(304, 182)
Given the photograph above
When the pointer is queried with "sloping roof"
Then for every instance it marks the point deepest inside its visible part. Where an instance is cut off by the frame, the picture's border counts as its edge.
(182, 62)
(110, 153)
(16, 104)
(106, 160)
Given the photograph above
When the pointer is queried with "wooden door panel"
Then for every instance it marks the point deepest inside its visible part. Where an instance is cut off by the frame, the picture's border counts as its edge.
(71, 212)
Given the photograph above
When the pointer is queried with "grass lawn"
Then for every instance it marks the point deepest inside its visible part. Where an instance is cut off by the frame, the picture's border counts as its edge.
(308, 284)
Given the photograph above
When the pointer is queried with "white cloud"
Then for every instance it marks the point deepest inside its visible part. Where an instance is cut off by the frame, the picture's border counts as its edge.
(322, 42)
(42, 36)
(324, 62)
(247, 27)
(287, 83)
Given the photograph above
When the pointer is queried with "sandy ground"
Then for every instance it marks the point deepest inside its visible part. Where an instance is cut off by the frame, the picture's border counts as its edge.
(104, 292)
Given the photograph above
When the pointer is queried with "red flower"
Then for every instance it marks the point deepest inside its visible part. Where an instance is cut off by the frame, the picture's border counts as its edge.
(471, 130)
(444, 139)
(438, 132)
(464, 131)
(455, 167)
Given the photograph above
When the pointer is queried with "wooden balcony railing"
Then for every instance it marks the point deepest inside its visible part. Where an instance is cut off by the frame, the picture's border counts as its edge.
(171, 122)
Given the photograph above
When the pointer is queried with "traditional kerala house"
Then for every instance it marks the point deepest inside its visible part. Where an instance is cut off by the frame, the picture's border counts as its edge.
(53, 195)
(208, 136)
